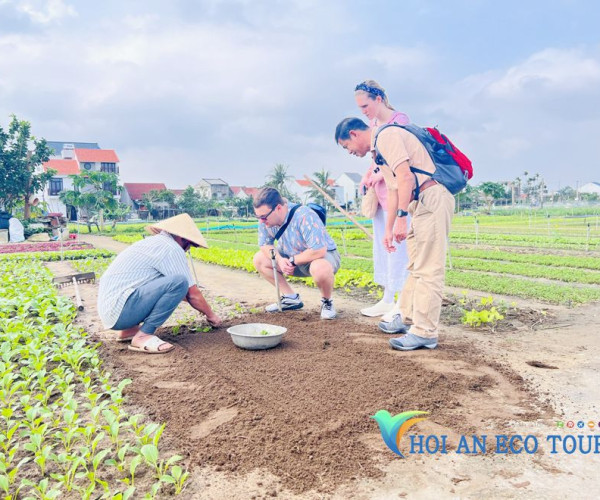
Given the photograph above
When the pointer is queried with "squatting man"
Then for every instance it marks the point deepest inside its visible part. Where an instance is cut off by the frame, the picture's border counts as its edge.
(304, 249)
(146, 282)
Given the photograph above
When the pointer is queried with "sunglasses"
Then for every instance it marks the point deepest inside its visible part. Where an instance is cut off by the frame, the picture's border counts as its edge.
(266, 216)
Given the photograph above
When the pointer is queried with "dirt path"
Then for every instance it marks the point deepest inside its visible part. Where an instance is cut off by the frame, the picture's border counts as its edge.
(294, 422)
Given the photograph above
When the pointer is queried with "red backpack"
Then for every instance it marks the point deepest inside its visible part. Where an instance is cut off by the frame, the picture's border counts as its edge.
(452, 168)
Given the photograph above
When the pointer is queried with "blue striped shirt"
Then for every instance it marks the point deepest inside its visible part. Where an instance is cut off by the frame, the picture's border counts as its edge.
(304, 231)
(141, 263)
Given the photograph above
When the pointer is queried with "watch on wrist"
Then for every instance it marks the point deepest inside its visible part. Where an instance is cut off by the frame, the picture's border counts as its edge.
(401, 213)
(292, 261)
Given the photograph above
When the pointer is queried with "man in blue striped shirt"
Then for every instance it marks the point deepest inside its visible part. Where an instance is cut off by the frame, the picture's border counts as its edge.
(304, 250)
(147, 281)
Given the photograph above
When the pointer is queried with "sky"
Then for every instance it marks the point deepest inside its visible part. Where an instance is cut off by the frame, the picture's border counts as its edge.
(191, 89)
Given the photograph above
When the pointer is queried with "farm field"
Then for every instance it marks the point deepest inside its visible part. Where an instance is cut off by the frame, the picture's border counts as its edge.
(294, 422)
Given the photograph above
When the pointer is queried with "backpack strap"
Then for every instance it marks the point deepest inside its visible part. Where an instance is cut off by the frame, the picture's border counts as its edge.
(287, 223)
(380, 160)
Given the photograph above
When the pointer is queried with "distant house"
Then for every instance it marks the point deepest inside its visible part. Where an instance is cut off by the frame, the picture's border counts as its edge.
(214, 189)
(133, 193)
(302, 189)
(69, 158)
(243, 192)
(590, 188)
(349, 182)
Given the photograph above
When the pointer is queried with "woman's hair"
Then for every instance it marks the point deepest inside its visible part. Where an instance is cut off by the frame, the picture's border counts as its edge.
(373, 89)
(268, 196)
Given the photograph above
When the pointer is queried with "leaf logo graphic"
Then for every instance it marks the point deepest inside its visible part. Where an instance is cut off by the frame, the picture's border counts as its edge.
(393, 428)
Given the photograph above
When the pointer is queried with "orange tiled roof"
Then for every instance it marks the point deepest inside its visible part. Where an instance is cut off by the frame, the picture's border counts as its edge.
(137, 190)
(96, 155)
(62, 167)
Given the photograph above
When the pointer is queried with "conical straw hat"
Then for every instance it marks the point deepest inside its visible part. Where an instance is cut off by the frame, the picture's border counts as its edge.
(180, 225)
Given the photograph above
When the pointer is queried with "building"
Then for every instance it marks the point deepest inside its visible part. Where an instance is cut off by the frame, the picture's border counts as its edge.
(590, 188)
(243, 191)
(69, 159)
(133, 193)
(213, 189)
(349, 193)
(302, 189)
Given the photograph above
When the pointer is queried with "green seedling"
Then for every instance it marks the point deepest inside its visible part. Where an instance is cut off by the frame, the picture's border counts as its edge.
(177, 478)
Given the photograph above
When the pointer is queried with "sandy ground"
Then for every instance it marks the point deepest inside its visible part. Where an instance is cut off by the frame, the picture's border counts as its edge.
(294, 422)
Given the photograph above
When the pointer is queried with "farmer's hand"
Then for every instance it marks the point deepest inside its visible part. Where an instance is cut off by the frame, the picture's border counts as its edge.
(400, 229)
(286, 266)
(388, 242)
(213, 320)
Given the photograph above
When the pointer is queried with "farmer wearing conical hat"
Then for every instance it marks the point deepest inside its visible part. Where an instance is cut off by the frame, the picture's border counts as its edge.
(146, 282)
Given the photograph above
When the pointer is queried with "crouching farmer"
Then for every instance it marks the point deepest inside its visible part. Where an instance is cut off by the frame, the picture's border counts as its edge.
(147, 281)
(304, 249)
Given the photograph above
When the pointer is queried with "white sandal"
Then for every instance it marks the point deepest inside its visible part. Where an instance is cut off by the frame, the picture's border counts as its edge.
(151, 346)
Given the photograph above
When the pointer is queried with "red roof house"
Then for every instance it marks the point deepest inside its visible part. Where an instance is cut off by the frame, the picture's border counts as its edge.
(62, 167)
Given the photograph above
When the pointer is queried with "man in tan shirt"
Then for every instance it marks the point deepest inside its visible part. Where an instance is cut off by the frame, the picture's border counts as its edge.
(421, 300)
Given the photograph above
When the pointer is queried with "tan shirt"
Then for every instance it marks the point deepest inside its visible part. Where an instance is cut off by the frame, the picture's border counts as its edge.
(397, 145)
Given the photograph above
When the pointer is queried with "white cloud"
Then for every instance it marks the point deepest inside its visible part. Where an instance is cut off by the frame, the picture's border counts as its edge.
(551, 70)
(45, 11)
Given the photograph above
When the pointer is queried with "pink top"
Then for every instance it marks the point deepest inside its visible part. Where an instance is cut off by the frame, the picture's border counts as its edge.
(380, 188)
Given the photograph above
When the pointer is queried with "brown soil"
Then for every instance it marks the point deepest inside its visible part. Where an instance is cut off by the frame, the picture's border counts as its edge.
(294, 421)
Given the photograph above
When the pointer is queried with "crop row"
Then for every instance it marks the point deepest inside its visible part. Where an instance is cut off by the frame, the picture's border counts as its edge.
(51, 256)
(509, 285)
(64, 432)
(540, 259)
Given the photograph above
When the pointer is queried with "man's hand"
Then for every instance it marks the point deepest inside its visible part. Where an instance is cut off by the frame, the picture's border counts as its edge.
(285, 266)
(400, 229)
(213, 320)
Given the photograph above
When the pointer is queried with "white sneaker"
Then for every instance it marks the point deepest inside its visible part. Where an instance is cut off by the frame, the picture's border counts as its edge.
(378, 309)
(389, 316)
(287, 304)
(327, 309)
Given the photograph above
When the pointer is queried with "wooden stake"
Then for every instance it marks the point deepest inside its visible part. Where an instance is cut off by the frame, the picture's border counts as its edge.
(337, 205)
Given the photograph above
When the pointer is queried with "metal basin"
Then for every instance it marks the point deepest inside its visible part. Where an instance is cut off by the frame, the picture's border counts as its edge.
(252, 335)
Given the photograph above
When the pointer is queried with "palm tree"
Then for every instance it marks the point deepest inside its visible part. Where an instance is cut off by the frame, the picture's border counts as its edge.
(278, 179)
(321, 179)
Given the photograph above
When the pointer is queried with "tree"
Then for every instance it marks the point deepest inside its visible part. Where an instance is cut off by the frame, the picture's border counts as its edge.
(20, 172)
(466, 198)
(321, 179)
(245, 205)
(278, 179)
(567, 193)
(189, 202)
(493, 191)
(93, 193)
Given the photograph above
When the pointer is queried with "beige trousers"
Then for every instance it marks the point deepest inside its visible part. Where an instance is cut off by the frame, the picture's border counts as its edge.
(426, 242)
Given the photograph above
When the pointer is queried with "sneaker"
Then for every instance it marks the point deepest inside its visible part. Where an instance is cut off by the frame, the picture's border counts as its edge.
(327, 309)
(287, 304)
(410, 342)
(394, 326)
(378, 309)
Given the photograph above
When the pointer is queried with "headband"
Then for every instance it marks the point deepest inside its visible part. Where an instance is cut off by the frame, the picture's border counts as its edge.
(370, 90)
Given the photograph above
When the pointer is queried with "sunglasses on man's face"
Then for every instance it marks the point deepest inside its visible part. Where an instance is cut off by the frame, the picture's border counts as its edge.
(266, 216)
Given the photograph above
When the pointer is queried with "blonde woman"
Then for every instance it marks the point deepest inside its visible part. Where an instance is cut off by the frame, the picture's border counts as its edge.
(389, 268)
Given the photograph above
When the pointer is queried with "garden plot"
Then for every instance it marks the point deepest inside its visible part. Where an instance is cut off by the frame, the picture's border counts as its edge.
(246, 423)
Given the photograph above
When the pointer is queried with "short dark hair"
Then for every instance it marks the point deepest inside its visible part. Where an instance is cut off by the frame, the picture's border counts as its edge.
(268, 196)
(342, 131)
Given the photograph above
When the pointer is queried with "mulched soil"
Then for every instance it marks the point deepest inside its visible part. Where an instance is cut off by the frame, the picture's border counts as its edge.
(302, 410)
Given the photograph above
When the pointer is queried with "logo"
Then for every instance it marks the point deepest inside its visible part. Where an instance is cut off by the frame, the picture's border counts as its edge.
(393, 428)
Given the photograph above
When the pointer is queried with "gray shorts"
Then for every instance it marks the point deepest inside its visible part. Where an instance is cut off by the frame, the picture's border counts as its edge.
(332, 256)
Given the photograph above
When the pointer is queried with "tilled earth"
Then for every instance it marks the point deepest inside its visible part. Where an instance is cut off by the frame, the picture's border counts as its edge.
(301, 411)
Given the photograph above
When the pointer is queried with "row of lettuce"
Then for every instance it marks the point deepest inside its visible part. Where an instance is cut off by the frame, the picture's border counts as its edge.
(64, 429)
(560, 279)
